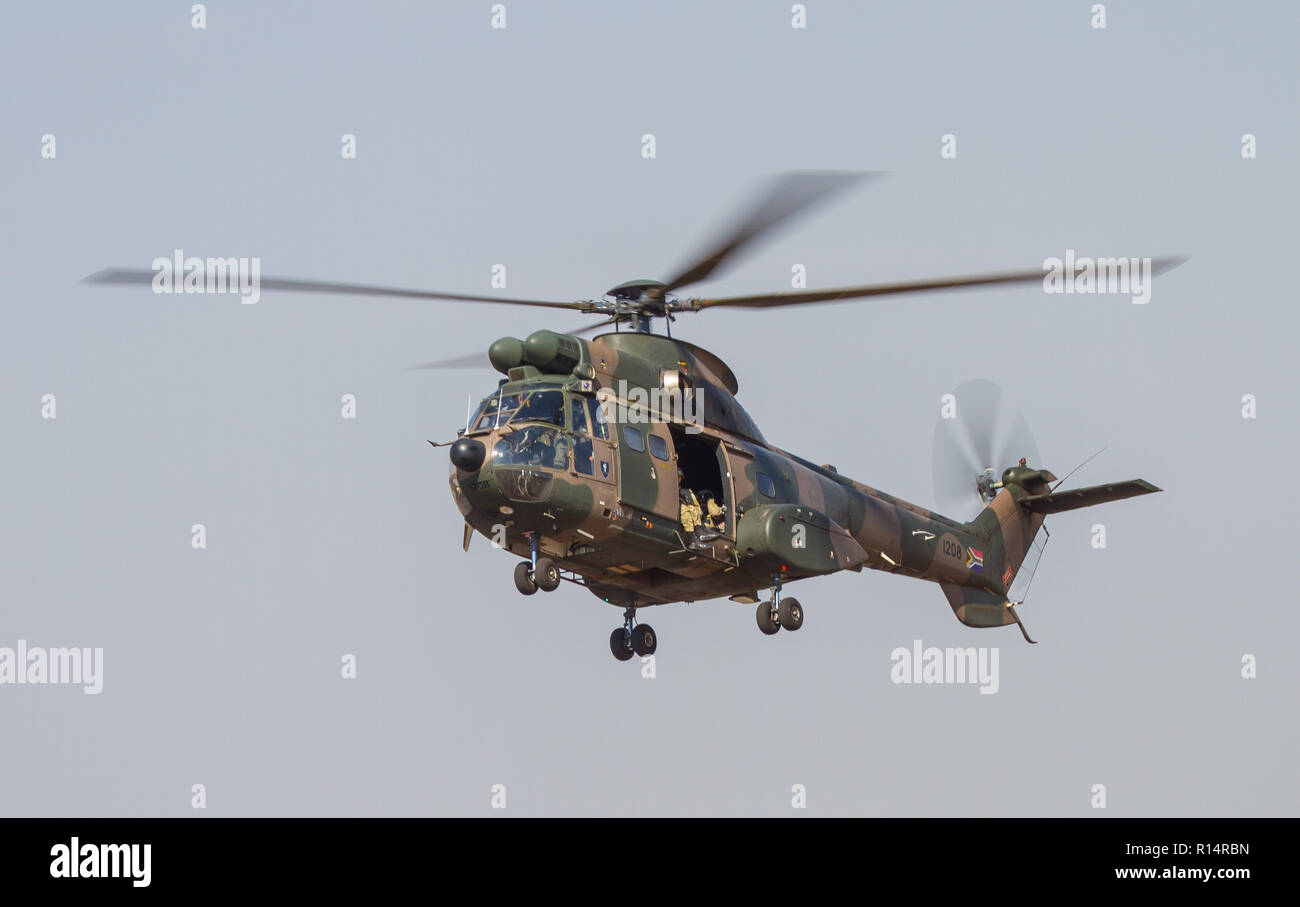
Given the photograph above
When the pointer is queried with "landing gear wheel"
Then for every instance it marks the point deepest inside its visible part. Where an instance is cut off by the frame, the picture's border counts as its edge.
(790, 614)
(644, 641)
(546, 575)
(766, 620)
(524, 581)
(618, 644)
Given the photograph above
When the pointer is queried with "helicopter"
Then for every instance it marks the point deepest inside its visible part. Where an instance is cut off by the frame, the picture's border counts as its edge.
(625, 464)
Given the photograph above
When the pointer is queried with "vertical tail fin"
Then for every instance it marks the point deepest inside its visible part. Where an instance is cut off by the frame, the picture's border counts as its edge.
(1008, 526)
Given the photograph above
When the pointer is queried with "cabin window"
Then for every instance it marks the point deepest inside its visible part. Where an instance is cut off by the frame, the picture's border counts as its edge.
(633, 438)
(766, 486)
(659, 447)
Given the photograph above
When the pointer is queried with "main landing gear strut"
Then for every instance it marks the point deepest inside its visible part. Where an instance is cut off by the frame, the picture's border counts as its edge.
(536, 572)
(779, 612)
(632, 638)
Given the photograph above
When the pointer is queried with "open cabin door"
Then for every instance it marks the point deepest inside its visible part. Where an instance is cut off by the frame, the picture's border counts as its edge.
(704, 466)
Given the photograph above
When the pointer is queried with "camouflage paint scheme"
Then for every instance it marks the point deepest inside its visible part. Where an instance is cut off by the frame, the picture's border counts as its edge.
(618, 533)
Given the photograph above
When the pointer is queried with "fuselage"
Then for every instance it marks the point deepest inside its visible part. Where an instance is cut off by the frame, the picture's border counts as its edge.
(583, 443)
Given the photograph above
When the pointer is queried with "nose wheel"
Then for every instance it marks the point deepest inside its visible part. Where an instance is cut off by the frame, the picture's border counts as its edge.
(536, 572)
(779, 613)
(524, 581)
(632, 638)
(545, 575)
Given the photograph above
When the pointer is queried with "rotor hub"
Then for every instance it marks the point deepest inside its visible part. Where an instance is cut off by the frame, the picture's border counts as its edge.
(638, 290)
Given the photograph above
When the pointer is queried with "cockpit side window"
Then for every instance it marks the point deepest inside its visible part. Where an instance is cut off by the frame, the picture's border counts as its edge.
(599, 425)
(583, 453)
(577, 416)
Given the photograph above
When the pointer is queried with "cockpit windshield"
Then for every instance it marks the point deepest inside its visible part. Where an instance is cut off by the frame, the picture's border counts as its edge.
(534, 404)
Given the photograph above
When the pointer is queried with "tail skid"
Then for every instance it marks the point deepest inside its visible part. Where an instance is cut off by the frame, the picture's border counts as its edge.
(1011, 606)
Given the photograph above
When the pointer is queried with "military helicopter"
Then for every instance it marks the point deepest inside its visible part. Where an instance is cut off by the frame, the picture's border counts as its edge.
(624, 463)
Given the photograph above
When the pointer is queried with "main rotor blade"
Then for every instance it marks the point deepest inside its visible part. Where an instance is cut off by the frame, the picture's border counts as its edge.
(593, 328)
(129, 277)
(786, 196)
(474, 360)
(771, 300)
(470, 360)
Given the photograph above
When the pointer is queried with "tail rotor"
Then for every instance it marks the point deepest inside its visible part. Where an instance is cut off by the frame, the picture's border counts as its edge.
(977, 436)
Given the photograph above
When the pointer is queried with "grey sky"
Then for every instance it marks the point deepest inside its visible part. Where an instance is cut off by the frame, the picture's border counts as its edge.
(522, 147)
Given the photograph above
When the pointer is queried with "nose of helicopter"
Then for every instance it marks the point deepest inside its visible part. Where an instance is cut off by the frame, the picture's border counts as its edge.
(519, 474)
(468, 454)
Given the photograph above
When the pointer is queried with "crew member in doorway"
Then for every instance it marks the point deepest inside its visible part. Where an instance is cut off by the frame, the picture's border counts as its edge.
(692, 513)
(713, 511)
(697, 525)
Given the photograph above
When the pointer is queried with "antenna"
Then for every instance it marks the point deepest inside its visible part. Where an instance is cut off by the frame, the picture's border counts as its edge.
(1080, 466)
(469, 403)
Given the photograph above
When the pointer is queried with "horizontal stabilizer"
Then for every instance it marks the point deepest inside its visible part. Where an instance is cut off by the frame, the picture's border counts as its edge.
(1057, 501)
